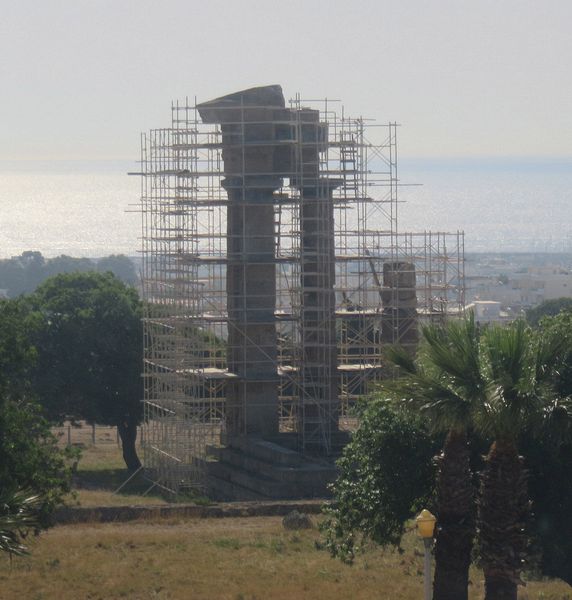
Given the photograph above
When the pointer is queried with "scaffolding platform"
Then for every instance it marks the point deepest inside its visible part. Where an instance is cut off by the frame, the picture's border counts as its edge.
(274, 274)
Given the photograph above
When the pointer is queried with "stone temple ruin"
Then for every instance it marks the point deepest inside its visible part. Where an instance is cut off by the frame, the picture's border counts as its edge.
(274, 274)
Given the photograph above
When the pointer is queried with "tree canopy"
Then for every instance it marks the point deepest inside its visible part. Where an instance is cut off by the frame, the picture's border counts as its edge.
(548, 460)
(515, 391)
(23, 274)
(75, 346)
(17, 354)
(548, 308)
(34, 472)
(87, 333)
(30, 458)
(385, 476)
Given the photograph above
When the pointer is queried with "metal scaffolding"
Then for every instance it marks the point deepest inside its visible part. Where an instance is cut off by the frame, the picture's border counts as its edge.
(273, 275)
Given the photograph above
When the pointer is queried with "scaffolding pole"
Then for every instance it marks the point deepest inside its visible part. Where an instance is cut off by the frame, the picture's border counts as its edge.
(274, 274)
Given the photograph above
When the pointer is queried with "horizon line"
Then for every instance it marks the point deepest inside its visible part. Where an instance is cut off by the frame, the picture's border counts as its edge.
(412, 157)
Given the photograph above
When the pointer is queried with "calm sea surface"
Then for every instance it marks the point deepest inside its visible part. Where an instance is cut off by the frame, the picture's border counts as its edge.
(83, 209)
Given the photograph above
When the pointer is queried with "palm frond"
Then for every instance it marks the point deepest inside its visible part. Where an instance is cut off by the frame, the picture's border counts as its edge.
(550, 353)
(19, 513)
(400, 358)
(435, 396)
(554, 424)
(501, 378)
(454, 351)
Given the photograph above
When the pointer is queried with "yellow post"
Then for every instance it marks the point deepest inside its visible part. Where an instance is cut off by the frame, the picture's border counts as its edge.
(425, 528)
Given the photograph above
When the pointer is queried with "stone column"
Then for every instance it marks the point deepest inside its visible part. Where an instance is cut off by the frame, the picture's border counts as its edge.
(247, 121)
(319, 376)
(399, 321)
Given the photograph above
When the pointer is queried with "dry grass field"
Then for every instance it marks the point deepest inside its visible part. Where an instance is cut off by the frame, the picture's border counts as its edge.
(101, 470)
(211, 559)
(205, 559)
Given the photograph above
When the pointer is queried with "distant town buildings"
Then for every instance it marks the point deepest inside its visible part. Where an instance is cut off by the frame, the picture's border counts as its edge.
(502, 287)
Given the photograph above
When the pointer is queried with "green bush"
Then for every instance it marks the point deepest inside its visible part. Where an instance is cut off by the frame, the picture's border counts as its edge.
(386, 475)
(30, 458)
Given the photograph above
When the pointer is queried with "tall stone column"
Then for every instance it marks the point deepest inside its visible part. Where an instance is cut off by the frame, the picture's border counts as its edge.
(319, 380)
(262, 143)
(248, 127)
(319, 376)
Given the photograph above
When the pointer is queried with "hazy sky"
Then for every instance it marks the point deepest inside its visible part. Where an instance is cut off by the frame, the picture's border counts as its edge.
(82, 78)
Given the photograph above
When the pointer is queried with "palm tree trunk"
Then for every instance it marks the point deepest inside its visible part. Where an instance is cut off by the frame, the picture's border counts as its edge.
(455, 520)
(503, 512)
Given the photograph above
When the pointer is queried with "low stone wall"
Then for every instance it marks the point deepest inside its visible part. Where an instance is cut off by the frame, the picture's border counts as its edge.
(111, 514)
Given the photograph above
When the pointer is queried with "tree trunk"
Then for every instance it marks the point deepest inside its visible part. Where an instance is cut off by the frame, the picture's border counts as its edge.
(503, 512)
(499, 588)
(128, 433)
(455, 520)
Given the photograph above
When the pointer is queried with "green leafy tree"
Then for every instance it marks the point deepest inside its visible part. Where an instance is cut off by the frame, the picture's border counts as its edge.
(23, 274)
(121, 266)
(548, 308)
(385, 475)
(17, 354)
(65, 264)
(12, 277)
(87, 332)
(29, 455)
(30, 458)
(33, 264)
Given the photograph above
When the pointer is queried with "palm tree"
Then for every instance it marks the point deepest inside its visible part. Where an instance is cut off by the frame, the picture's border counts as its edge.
(518, 368)
(499, 382)
(19, 513)
(444, 383)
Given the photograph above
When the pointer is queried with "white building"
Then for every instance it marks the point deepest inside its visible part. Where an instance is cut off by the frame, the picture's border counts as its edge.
(488, 311)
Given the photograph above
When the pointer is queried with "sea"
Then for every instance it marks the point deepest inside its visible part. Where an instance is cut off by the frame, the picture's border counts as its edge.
(90, 208)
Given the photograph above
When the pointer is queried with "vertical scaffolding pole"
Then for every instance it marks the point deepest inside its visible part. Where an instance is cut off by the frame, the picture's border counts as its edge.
(273, 274)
